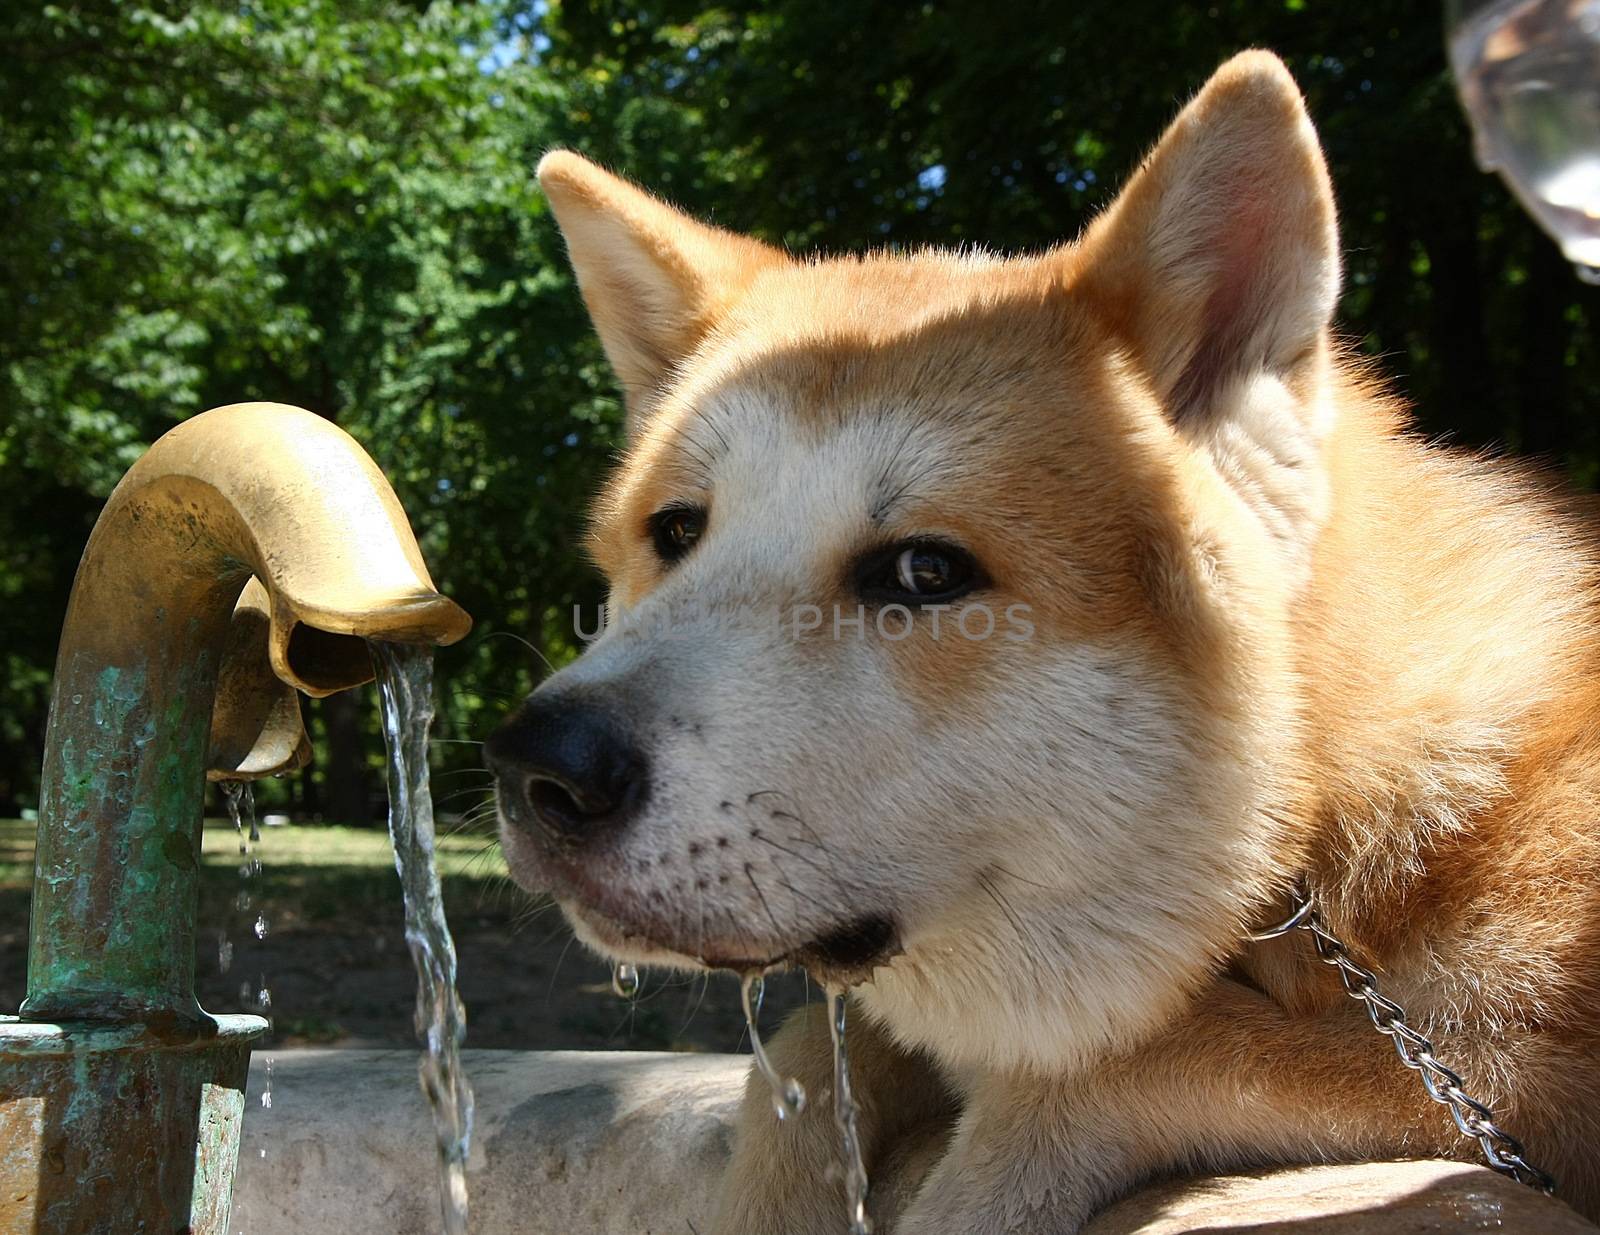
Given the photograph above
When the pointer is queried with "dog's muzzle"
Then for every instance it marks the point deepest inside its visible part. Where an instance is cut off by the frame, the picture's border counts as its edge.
(567, 772)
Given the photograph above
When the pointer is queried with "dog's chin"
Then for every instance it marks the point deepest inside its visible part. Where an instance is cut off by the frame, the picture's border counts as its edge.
(619, 943)
(844, 956)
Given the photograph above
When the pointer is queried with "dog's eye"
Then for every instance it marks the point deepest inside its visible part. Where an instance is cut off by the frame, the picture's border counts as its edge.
(675, 530)
(920, 572)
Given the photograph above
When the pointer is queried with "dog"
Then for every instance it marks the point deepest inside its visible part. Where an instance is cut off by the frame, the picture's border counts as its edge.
(1006, 638)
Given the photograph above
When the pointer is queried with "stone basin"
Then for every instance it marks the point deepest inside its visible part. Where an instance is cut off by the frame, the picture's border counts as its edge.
(632, 1143)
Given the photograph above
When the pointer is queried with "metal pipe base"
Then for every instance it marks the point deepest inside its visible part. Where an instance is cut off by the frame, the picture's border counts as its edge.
(110, 1129)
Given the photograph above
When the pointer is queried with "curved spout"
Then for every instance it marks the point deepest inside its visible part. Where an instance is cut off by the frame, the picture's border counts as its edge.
(253, 489)
(256, 728)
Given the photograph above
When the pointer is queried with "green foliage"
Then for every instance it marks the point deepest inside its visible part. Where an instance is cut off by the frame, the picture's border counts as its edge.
(320, 203)
(845, 125)
(330, 203)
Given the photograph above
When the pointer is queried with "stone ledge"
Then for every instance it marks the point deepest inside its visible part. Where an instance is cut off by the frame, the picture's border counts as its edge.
(1375, 1198)
(631, 1143)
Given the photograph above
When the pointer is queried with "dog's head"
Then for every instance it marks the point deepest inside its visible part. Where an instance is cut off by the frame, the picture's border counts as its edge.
(947, 631)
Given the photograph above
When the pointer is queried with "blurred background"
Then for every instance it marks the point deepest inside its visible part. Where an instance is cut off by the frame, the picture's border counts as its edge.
(331, 203)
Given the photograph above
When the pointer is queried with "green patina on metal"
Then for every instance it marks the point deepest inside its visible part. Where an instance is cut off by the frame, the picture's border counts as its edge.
(134, 1096)
(124, 1130)
(120, 1099)
(123, 793)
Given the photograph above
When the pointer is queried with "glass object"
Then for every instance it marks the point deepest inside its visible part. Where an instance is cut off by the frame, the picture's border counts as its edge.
(1529, 75)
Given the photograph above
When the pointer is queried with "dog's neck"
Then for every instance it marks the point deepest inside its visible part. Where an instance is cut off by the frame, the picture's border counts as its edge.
(1445, 646)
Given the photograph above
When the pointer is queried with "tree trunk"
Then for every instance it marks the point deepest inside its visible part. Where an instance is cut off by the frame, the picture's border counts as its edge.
(345, 778)
(1541, 369)
(1459, 353)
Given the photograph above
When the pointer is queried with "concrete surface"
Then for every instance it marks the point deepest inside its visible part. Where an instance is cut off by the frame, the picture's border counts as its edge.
(1378, 1198)
(567, 1143)
(621, 1143)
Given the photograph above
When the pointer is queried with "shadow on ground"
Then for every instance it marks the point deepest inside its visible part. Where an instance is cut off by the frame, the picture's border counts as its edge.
(334, 960)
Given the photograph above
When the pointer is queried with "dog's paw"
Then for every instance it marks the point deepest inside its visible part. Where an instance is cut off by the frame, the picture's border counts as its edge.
(757, 1213)
(784, 1178)
(1015, 1169)
(940, 1214)
(944, 1208)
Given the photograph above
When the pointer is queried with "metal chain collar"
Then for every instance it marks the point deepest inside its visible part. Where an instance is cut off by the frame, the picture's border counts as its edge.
(1501, 1150)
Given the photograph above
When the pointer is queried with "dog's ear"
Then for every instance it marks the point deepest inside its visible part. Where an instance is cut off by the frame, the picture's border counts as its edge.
(654, 279)
(1220, 258)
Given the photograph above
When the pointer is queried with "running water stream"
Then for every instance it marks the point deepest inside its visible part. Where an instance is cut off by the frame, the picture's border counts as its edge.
(789, 1095)
(845, 1116)
(405, 686)
(240, 799)
(239, 796)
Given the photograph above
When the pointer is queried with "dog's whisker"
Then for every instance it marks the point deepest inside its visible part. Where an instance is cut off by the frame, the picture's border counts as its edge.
(761, 896)
(800, 902)
(694, 1010)
(512, 635)
(1032, 883)
(843, 885)
(556, 973)
(1005, 907)
(440, 799)
(700, 913)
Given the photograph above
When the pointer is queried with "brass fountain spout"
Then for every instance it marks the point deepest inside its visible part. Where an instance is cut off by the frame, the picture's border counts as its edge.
(255, 489)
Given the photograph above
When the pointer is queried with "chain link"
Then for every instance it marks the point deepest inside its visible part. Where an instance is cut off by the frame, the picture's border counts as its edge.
(1501, 1150)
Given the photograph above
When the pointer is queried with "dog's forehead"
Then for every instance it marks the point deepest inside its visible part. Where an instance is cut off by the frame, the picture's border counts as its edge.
(875, 355)
(977, 407)
(854, 320)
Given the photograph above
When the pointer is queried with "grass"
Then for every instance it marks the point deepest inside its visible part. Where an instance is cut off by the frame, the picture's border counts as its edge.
(16, 853)
(310, 875)
(295, 845)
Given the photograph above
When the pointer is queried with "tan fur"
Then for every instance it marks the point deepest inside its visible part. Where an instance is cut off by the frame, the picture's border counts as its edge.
(1274, 636)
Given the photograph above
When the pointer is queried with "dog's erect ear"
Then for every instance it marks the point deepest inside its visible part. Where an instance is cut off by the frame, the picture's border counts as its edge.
(654, 279)
(1220, 259)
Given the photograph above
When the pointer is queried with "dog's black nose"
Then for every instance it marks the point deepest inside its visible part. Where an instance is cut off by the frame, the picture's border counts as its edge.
(568, 768)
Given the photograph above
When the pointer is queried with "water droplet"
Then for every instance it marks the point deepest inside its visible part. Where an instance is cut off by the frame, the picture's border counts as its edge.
(624, 980)
(263, 998)
(266, 1088)
(845, 1115)
(1587, 274)
(224, 954)
(788, 1094)
(261, 926)
(244, 994)
(233, 797)
(242, 901)
(77, 698)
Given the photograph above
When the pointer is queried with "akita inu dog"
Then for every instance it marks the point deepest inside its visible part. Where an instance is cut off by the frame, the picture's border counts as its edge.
(1259, 636)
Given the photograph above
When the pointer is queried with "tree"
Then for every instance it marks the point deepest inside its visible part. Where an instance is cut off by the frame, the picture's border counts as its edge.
(847, 125)
(331, 203)
(318, 203)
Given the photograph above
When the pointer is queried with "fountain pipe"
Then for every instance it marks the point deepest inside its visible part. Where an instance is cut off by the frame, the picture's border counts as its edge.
(256, 728)
(253, 489)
